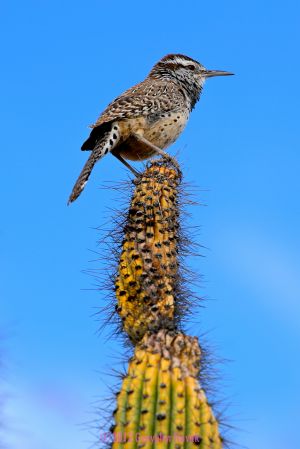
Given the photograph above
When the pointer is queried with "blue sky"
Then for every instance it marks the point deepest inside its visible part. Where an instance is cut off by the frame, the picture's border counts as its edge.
(62, 62)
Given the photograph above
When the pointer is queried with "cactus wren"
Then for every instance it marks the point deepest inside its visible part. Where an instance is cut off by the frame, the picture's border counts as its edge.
(147, 118)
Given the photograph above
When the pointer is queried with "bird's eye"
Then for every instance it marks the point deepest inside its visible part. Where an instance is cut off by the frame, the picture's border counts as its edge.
(191, 67)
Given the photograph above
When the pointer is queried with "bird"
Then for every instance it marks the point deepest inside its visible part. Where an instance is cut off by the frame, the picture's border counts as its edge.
(147, 118)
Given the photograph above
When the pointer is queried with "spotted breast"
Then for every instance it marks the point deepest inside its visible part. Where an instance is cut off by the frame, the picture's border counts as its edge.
(161, 132)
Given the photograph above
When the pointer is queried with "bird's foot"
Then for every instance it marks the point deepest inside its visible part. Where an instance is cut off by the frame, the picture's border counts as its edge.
(173, 161)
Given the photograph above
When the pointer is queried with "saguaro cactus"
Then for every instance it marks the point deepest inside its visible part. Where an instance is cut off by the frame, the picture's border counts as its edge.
(161, 403)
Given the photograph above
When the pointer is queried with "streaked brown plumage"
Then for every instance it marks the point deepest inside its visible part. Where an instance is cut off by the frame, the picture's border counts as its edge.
(148, 117)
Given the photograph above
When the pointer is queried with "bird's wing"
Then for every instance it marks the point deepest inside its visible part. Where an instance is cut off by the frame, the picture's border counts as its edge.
(144, 99)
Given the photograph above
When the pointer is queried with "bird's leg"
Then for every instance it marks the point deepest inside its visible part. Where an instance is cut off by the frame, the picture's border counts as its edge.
(158, 151)
(118, 156)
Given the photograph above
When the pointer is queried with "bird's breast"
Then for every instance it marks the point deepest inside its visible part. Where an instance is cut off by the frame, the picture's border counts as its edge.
(161, 132)
(166, 129)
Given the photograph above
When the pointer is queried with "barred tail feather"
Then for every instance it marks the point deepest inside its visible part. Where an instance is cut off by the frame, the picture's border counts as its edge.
(84, 175)
(106, 144)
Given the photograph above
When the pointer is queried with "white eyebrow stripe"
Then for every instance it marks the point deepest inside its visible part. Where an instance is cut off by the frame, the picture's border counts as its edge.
(179, 60)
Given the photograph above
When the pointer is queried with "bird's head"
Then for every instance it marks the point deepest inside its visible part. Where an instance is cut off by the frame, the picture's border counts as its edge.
(187, 72)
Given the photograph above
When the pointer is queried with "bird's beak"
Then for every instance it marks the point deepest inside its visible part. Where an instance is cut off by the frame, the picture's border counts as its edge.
(211, 73)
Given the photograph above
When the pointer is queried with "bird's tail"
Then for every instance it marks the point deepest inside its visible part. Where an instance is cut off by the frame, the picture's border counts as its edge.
(103, 146)
(84, 175)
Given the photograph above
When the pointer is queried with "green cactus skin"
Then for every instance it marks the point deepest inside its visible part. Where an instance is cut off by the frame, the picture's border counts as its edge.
(161, 403)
